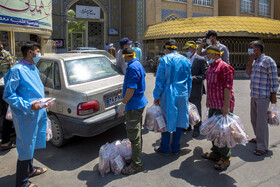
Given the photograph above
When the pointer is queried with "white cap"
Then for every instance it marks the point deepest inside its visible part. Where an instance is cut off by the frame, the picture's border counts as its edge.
(111, 44)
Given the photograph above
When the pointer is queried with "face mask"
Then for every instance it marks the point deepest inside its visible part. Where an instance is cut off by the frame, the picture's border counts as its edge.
(208, 41)
(130, 46)
(198, 45)
(251, 51)
(37, 58)
(211, 61)
(189, 54)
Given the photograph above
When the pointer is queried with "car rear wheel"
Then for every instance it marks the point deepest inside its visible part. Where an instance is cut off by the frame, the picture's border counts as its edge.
(58, 137)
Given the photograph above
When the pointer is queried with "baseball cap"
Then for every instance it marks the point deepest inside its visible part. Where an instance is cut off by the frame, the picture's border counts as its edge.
(125, 41)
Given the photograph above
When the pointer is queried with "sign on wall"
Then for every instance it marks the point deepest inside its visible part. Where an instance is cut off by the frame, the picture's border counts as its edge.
(30, 13)
(59, 42)
(88, 12)
(113, 31)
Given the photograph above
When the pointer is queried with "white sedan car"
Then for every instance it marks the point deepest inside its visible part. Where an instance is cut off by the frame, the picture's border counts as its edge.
(87, 89)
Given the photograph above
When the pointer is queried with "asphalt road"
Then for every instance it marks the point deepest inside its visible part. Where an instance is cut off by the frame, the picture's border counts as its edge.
(76, 164)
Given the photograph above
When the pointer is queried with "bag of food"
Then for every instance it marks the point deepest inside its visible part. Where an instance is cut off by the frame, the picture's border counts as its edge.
(125, 150)
(273, 115)
(9, 114)
(205, 115)
(224, 131)
(154, 119)
(194, 117)
(116, 162)
(104, 159)
(49, 134)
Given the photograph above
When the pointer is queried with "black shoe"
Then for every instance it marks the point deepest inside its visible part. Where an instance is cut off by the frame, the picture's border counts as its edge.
(196, 133)
(187, 129)
(157, 150)
(176, 153)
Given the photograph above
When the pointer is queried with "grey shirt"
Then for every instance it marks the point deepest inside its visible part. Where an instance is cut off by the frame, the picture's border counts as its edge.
(120, 61)
(225, 56)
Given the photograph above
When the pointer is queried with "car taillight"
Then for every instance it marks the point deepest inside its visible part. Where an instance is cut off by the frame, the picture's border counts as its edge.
(87, 108)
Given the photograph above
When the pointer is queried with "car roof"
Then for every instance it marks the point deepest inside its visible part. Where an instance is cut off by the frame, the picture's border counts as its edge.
(84, 51)
(70, 56)
(85, 48)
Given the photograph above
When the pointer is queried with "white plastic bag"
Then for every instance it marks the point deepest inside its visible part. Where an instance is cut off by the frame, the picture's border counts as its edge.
(125, 150)
(224, 131)
(116, 161)
(9, 114)
(194, 117)
(205, 115)
(104, 159)
(154, 119)
(49, 134)
(273, 115)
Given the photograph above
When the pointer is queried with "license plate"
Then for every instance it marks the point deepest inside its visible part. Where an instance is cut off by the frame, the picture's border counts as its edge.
(114, 99)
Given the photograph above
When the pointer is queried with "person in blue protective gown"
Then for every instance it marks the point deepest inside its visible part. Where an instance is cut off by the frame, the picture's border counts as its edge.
(22, 87)
(172, 91)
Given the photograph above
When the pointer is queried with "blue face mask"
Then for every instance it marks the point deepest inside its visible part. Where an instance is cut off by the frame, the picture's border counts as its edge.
(211, 61)
(251, 51)
(189, 54)
(37, 58)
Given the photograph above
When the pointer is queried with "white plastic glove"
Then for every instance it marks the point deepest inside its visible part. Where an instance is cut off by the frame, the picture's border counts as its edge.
(121, 109)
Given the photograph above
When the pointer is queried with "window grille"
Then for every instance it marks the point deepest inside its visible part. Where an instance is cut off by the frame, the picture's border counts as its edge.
(264, 8)
(203, 2)
(171, 18)
(246, 6)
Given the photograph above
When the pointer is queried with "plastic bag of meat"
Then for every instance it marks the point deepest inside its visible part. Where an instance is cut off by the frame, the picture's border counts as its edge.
(273, 115)
(9, 114)
(104, 159)
(194, 117)
(116, 162)
(49, 134)
(205, 115)
(125, 150)
(154, 119)
(224, 131)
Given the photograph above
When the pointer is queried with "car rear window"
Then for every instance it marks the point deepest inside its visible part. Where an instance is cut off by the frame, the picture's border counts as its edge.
(89, 69)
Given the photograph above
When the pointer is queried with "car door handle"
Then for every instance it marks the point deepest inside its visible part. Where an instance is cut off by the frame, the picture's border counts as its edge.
(47, 92)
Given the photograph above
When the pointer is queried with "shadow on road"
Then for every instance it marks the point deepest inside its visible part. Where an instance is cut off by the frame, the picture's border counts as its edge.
(200, 172)
(78, 151)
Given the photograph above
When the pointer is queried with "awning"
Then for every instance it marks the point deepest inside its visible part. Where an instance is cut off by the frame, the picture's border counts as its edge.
(224, 25)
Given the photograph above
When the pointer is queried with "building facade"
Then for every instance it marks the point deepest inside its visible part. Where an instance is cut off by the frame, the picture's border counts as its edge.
(25, 20)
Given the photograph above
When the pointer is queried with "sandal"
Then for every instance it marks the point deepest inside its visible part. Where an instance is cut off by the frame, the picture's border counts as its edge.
(253, 140)
(129, 170)
(222, 164)
(260, 152)
(209, 156)
(37, 171)
(30, 184)
(10, 146)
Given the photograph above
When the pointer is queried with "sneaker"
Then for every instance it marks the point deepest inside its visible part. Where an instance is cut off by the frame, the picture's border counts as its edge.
(196, 133)
(159, 151)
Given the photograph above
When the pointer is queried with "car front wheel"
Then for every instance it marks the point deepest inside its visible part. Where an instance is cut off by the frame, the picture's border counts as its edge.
(58, 137)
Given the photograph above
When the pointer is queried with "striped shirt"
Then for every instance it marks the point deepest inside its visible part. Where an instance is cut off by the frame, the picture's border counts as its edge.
(264, 77)
(6, 62)
(219, 76)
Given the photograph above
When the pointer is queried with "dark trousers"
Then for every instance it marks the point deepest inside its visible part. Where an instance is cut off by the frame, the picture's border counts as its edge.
(223, 152)
(165, 141)
(24, 168)
(197, 102)
(7, 125)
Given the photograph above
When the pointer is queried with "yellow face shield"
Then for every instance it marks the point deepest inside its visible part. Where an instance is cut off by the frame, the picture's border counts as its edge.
(171, 47)
(211, 51)
(133, 55)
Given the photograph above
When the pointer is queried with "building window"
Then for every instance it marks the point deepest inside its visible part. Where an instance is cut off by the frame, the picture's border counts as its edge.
(264, 8)
(171, 18)
(179, 0)
(246, 6)
(203, 2)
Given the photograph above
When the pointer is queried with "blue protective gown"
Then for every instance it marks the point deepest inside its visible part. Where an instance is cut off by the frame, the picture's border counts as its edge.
(173, 88)
(22, 86)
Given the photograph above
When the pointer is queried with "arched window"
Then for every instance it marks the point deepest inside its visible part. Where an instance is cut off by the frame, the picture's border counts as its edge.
(171, 17)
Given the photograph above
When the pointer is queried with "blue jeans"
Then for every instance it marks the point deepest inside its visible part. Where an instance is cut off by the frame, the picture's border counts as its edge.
(24, 168)
(165, 141)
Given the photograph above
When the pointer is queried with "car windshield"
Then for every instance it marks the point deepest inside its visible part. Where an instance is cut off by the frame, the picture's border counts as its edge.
(89, 69)
(111, 57)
